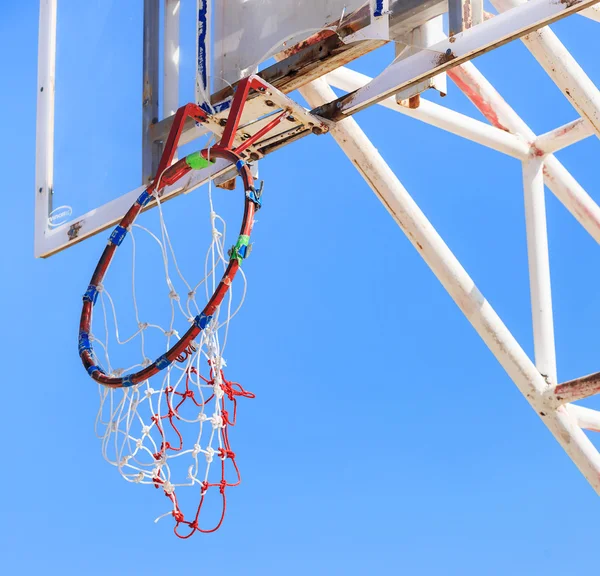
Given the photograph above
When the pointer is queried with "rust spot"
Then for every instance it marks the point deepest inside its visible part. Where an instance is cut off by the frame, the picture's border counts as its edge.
(74, 230)
(536, 151)
(476, 97)
(569, 3)
(467, 15)
(442, 59)
(419, 246)
(310, 41)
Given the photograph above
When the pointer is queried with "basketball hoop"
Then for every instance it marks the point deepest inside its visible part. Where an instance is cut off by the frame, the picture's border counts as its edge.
(144, 427)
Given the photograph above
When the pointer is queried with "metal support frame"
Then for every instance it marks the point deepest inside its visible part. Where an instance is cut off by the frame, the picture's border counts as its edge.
(44, 164)
(170, 87)
(453, 51)
(563, 421)
(151, 150)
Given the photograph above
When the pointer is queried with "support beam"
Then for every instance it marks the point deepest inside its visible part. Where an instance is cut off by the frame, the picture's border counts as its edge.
(44, 134)
(439, 116)
(382, 180)
(452, 52)
(150, 90)
(500, 114)
(170, 87)
(563, 136)
(562, 68)
(578, 389)
(593, 13)
(539, 269)
(586, 418)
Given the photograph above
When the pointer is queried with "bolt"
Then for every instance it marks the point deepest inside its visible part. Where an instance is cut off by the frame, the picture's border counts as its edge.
(245, 136)
(448, 52)
(223, 122)
(269, 103)
(291, 119)
(254, 156)
(317, 130)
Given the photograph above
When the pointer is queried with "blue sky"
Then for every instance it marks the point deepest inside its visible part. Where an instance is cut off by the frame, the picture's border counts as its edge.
(384, 437)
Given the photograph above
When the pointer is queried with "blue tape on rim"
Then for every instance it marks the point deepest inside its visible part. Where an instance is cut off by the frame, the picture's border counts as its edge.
(93, 369)
(117, 235)
(378, 8)
(144, 198)
(202, 320)
(239, 165)
(163, 362)
(84, 343)
(251, 195)
(91, 294)
(127, 382)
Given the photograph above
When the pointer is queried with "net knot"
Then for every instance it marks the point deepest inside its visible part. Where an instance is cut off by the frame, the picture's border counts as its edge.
(223, 454)
(222, 486)
(174, 296)
(117, 372)
(203, 487)
(146, 362)
(149, 392)
(139, 477)
(145, 430)
(217, 421)
(178, 515)
(195, 450)
(142, 325)
(172, 333)
(168, 487)
(191, 293)
(210, 454)
(100, 288)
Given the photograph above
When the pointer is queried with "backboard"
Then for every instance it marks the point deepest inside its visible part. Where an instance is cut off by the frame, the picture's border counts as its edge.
(142, 56)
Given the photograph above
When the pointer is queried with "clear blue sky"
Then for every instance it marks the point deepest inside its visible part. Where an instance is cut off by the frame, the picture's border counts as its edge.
(384, 437)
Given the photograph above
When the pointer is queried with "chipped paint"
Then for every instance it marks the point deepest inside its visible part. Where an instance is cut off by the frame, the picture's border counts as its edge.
(475, 95)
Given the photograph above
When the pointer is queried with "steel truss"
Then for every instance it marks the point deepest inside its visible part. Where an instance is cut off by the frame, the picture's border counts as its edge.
(509, 134)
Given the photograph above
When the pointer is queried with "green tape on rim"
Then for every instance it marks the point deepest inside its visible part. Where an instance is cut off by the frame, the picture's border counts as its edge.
(196, 161)
(240, 250)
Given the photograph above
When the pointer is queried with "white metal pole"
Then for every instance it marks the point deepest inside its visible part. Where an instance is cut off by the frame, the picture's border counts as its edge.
(500, 114)
(593, 13)
(439, 116)
(171, 58)
(586, 418)
(539, 269)
(44, 153)
(560, 65)
(457, 282)
(563, 136)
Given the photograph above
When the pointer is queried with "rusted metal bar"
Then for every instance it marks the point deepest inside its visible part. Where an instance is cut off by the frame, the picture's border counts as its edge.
(295, 71)
(578, 389)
